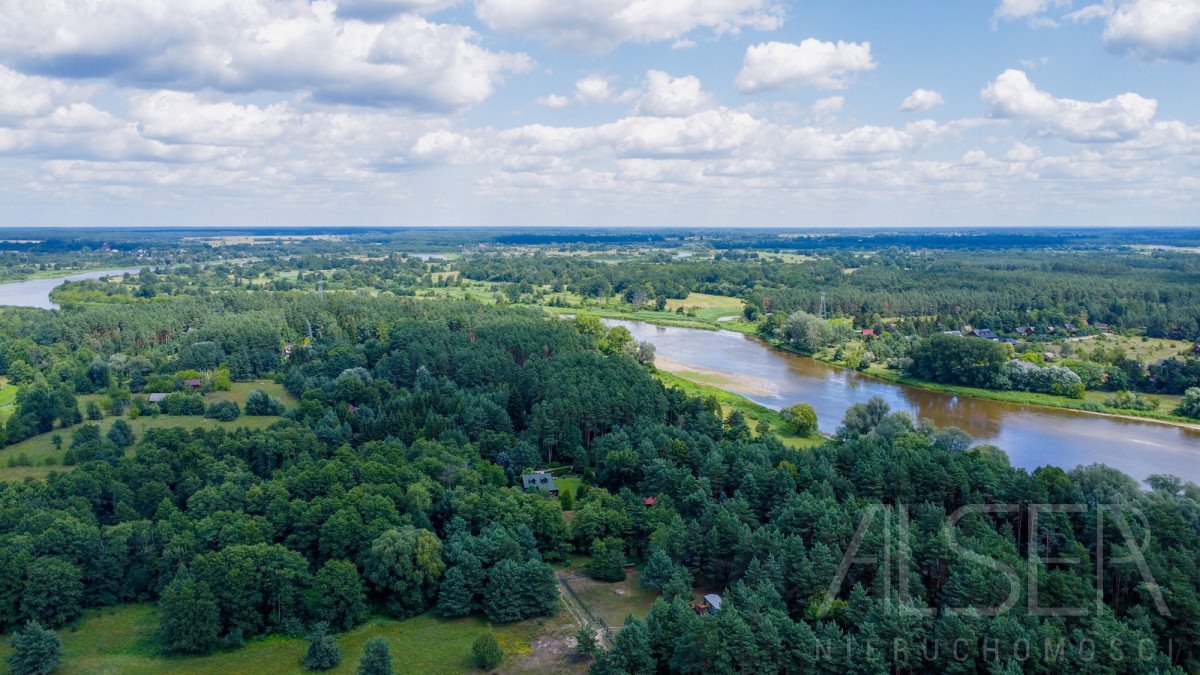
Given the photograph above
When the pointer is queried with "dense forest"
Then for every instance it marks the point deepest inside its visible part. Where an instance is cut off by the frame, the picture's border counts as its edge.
(392, 487)
(383, 474)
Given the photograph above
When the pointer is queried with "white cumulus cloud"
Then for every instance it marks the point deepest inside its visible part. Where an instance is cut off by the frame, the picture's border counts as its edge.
(247, 45)
(668, 96)
(771, 66)
(1115, 119)
(922, 100)
(380, 9)
(1033, 11)
(182, 117)
(27, 96)
(600, 25)
(1150, 30)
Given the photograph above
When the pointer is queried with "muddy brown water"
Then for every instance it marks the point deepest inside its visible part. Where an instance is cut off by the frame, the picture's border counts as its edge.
(1032, 436)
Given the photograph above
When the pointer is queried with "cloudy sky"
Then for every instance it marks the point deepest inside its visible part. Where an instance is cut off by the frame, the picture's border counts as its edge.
(599, 112)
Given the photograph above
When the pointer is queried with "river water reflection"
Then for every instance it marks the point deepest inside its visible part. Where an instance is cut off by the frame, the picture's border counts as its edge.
(36, 292)
(1032, 436)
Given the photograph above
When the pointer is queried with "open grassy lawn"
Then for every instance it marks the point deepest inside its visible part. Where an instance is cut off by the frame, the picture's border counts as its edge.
(730, 401)
(121, 640)
(710, 307)
(1146, 350)
(570, 484)
(240, 390)
(8, 397)
(40, 449)
(611, 603)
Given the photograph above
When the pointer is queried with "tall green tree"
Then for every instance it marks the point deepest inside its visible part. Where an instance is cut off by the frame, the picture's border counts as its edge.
(189, 618)
(337, 595)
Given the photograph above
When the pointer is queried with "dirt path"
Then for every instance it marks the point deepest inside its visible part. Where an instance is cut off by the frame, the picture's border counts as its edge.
(580, 614)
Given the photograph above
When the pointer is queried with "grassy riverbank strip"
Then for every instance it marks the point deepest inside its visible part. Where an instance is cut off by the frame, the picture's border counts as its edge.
(730, 401)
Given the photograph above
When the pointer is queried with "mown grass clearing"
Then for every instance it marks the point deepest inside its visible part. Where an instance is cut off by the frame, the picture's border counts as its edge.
(8, 398)
(709, 307)
(1144, 349)
(40, 447)
(121, 640)
(612, 602)
(240, 390)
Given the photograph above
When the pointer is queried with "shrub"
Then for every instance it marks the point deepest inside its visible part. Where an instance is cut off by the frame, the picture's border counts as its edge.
(486, 652)
(377, 658)
(323, 652)
(225, 411)
(182, 403)
(1125, 400)
(259, 403)
(1190, 405)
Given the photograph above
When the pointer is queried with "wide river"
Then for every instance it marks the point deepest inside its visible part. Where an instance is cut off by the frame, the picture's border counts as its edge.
(1031, 435)
(36, 292)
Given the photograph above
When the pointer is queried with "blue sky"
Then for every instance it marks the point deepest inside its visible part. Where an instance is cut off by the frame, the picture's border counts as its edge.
(599, 112)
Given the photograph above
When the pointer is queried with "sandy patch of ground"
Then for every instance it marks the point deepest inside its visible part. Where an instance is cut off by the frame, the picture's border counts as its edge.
(745, 384)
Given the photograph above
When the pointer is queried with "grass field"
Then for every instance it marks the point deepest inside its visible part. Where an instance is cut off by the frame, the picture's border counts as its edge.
(1146, 350)
(730, 402)
(121, 640)
(240, 390)
(41, 448)
(8, 396)
(571, 484)
(708, 307)
(610, 602)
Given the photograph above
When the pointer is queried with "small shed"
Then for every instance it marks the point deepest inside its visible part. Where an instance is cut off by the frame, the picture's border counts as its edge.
(713, 602)
(1049, 356)
(157, 397)
(539, 481)
(194, 385)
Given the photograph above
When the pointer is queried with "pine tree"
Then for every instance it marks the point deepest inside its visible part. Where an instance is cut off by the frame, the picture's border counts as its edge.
(502, 594)
(455, 598)
(658, 571)
(631, 649)
(323, 652)
(36, 650)
(585, 642)
(377, 658)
